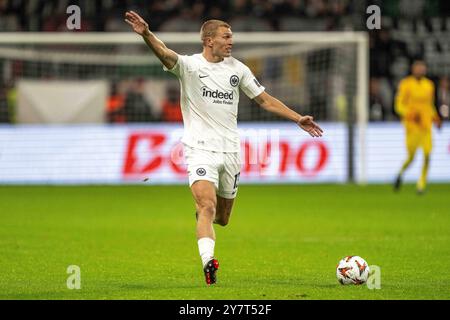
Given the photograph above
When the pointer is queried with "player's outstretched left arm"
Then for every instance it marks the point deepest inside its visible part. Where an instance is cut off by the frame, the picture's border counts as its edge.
(274, 105)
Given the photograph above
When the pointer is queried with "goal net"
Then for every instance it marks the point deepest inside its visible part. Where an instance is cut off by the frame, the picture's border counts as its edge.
(314, 73)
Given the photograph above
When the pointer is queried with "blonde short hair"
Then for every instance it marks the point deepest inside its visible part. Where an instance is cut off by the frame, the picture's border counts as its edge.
(209, 28)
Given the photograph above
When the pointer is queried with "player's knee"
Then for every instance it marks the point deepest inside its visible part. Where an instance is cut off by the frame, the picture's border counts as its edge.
(207, 208)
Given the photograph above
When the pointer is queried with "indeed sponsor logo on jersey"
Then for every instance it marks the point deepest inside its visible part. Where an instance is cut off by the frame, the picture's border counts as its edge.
(209, 93)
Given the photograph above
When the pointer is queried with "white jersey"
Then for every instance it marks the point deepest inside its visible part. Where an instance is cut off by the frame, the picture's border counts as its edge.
(209, 100)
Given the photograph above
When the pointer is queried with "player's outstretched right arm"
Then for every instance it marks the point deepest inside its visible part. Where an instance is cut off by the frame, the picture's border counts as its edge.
(168, 57)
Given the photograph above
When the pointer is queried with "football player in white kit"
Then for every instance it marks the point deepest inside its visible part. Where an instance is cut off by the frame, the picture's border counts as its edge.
(210, 83)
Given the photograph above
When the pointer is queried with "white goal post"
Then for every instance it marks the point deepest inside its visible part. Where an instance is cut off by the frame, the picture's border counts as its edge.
(296, 40)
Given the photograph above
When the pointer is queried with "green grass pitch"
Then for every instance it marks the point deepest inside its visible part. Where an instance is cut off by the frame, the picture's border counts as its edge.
(283, 242)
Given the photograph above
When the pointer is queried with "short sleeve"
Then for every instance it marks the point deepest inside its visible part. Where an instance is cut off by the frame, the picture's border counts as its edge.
(251, 87)
(179, 67)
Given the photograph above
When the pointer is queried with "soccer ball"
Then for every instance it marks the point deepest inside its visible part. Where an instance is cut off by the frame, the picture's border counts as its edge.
(352, 270)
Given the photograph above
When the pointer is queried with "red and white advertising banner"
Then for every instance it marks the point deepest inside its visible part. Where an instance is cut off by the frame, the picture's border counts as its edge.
(270, 153)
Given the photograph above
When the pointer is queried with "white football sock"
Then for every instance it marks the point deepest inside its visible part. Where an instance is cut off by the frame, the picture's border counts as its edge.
(206, 249)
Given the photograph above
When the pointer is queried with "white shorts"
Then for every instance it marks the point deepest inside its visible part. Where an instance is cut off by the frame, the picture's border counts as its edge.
(221, 168)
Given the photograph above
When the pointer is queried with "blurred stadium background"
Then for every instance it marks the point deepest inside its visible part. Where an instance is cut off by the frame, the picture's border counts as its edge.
(81, 81)
(94, 106)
